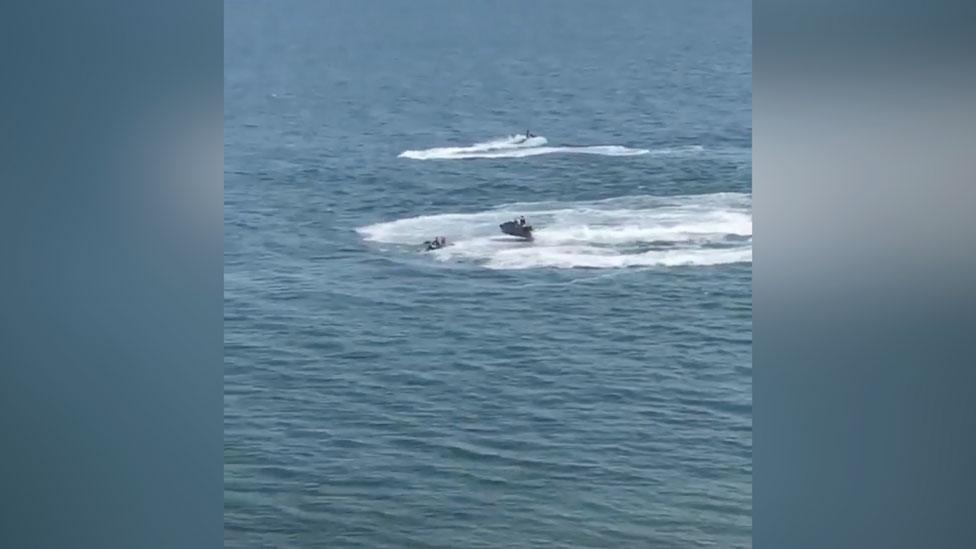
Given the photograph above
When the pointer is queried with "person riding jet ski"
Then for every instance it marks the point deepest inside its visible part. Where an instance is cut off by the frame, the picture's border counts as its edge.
(528, 135)
(517, 228)
(437, 243)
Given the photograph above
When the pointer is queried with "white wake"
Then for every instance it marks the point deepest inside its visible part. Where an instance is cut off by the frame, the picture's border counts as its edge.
(621, 232)
(516, 146)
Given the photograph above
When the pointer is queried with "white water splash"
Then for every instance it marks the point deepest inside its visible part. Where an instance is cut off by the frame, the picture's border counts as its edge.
(621, 232)
(515, 146)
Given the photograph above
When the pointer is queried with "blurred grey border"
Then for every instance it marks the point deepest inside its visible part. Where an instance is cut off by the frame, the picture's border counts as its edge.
(864, 385)
(111, 341)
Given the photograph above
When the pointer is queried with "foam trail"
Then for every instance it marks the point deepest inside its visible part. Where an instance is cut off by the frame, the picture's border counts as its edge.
(515, 146)
(622, 232)
(678, 151)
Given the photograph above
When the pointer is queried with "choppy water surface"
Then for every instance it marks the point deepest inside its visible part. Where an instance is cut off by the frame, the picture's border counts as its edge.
(591, 388)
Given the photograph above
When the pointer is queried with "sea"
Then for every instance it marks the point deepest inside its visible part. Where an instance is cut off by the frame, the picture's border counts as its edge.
(588, 388)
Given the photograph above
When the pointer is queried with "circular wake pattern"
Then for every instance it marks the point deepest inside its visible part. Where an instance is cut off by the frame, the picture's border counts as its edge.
(620, 232)
(515, 146)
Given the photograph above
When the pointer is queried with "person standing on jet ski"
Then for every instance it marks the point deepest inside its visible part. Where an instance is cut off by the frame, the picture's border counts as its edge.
(522, 221)
(436, 244)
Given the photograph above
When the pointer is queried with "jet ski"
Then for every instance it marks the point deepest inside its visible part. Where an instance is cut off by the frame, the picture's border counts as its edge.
(515, 228)
(528, 135)
(437, 243)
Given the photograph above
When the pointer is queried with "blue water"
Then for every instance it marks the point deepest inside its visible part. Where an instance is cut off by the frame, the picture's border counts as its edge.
(588, 389)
